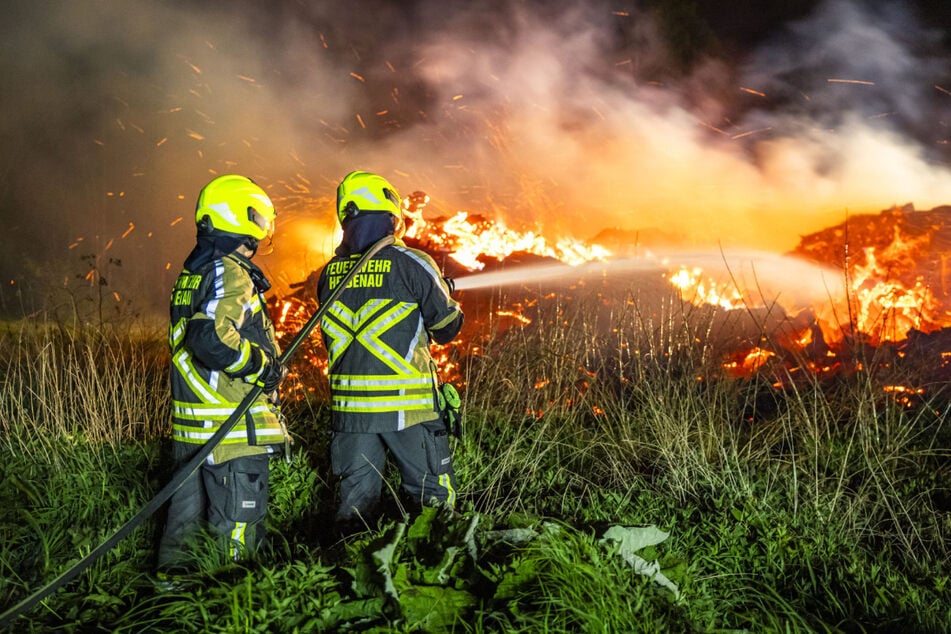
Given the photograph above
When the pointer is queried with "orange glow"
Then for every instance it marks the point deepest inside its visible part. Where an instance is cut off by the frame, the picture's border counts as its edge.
(514, 315)
(698, 290)
(468, 239)
(879, 299)
(851, 81)
(750, 363)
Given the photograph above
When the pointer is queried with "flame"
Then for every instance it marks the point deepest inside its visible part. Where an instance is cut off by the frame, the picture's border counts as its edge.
(904, 395)
(750, 363)
(698, 290)
(885, 306)
(886, 294)
(469, 239)
(883, 298)
(514, 314)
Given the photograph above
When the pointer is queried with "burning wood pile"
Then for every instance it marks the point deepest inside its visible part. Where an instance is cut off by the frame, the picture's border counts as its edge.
(898, 265)
(893, 267)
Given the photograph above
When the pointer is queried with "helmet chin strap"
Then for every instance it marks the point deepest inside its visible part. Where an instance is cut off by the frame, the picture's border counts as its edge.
(252, 245)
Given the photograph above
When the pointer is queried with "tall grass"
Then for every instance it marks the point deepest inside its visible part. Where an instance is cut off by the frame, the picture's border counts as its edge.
(794, 503)
(816, 474)
(107, 383)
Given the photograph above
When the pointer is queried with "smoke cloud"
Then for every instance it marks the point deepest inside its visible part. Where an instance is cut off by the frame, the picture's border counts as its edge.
(569, 119)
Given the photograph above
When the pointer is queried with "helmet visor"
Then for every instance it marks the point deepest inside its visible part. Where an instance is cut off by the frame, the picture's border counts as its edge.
(266, 244)
(392, 197)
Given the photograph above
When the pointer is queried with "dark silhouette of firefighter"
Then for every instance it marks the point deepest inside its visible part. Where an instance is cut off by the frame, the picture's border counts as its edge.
(223, 346)
(385, 393)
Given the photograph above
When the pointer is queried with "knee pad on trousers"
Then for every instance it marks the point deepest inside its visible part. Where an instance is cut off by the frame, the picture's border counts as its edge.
(439, 461)
(237, 501)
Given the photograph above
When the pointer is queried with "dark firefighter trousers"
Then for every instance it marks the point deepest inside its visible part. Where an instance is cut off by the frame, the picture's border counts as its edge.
(421, 453)
(230, 497)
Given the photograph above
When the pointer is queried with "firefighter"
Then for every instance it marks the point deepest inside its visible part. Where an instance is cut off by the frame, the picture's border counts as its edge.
(222, 347)
(383, 380)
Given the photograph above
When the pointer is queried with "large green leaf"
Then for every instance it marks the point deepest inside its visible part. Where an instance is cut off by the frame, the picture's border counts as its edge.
(435, 608)
(633, 538)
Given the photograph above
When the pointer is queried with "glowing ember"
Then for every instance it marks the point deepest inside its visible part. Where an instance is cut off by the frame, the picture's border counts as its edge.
(904, 395)
(514, 315)
(698, 290)
(750, 363)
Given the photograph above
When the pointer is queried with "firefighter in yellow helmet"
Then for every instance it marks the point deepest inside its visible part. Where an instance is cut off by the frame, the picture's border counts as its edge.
(383, 379)
(223, 346)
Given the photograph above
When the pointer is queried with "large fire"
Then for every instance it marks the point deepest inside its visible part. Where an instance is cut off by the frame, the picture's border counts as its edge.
(894, 268)
(897, 270)
(469, 240)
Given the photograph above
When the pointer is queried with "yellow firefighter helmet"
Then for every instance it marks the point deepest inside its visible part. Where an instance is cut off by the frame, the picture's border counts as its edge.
(363, 192)
(235, 204)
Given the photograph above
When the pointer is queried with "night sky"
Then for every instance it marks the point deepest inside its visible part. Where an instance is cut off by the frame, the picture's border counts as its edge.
(746, 126)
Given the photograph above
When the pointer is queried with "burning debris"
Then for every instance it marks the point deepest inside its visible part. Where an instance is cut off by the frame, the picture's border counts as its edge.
(897, 265)
(894, 265)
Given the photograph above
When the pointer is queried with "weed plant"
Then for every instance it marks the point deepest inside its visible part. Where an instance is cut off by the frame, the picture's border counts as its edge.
(792, 503)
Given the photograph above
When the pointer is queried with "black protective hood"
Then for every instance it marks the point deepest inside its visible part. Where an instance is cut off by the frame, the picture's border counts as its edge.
(210, 247)
(362, 231)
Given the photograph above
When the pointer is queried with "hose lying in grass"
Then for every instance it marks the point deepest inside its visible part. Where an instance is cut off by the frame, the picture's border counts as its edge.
(179, 477)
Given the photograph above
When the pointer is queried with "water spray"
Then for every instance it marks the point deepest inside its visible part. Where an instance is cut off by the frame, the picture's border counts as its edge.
(747, 269)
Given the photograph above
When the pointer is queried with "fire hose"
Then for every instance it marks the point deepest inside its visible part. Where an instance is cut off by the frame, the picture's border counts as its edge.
(178, 479)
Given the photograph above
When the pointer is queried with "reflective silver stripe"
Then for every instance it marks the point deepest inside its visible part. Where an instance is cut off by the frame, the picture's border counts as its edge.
(350, 403)
(212, 304)
(198, 411)
(340, 339)
(183, 434)
(202, 436)
(385, 381)
(437, 277)
(433, 273)
(178, 333)
(420, 329)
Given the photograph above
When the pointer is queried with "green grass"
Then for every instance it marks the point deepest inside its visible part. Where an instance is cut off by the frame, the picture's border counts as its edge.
(815, 507)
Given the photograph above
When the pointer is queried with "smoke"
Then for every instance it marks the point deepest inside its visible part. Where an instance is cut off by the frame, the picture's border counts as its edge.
(566, 118)
(554, 123)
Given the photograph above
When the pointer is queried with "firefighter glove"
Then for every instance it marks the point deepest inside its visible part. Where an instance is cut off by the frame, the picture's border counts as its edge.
(450, 404)
(263, 370)
(271, 374)
(451, 283)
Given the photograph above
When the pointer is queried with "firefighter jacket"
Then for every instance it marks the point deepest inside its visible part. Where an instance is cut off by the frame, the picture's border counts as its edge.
(377, 335)
(219, 323)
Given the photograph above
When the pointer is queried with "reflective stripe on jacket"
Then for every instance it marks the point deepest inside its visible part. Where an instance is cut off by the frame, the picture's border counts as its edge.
(377, 335)
(217, 316)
